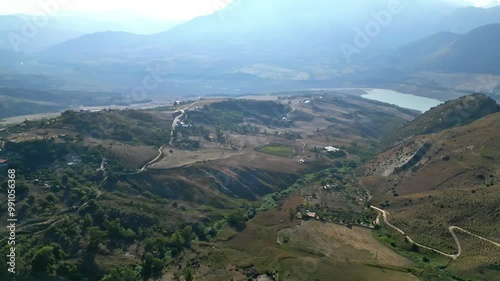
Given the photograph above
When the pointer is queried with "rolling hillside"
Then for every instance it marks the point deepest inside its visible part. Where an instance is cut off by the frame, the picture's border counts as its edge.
(425, 48)
(450, 178)
(105, 185)
(453, 113)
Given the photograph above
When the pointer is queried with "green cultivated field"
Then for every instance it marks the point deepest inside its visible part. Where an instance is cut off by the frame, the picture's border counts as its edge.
(277, 149)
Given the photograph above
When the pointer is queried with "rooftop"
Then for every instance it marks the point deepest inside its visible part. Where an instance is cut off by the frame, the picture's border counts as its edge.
(311, 214)
(331, 149)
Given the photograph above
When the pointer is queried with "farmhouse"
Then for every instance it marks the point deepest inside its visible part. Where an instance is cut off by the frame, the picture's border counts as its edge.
(311, 214)
(331, 149)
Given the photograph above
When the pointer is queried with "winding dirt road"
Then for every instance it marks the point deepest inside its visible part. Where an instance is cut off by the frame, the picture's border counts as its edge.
(293, 109)
(176, 119)
(160, 154)
(47, 224)
(451, 229)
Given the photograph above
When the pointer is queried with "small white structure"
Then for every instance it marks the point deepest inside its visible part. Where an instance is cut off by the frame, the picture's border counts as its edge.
(310, 214)
(331, 149)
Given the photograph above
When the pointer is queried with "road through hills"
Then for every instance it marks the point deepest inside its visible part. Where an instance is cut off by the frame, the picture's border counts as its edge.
(451, 229)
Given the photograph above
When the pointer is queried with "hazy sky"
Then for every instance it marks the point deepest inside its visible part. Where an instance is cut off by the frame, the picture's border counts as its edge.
(157, 9)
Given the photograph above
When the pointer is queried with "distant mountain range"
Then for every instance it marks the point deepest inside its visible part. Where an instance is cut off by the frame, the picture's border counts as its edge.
(474, 52)
(63, 27)
(291, 41)
(288, 34)
(463, 20)
(14, 29)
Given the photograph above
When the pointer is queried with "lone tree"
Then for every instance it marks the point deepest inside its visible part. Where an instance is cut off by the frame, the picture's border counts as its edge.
(237, 219)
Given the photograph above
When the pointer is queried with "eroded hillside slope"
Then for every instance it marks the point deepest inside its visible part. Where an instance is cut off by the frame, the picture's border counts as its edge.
(450, 178)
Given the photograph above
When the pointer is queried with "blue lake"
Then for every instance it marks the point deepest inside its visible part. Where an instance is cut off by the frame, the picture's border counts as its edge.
(403, 100)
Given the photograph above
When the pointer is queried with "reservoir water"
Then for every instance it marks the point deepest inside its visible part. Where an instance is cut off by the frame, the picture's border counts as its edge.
(402, 100)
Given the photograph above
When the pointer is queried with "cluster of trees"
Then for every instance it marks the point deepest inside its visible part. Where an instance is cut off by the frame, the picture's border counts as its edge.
(195, 131)
(181, 135)
(38, 158)
(229, 115)
(124, 126)
(239, 217)
(224, 119)
(35, 153)
(289, 135)
(139, 115)
(186, 143)
(83, 236)
(268, 112)
(65, 202)
(85, 231)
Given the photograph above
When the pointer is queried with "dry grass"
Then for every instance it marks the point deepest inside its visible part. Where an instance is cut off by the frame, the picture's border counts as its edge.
(306, 269)
(479, 259)
(327, 250)
(463, 190)
(179, 158)
(339, 243)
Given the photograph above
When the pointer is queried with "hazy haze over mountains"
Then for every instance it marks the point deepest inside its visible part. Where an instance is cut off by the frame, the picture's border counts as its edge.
(299, 43)
(250, 140)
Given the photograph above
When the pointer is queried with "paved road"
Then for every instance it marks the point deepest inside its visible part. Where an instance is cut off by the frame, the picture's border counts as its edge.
(451, 229)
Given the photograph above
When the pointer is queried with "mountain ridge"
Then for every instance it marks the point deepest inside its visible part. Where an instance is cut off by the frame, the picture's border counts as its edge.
(472, 52)
(451, 114)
